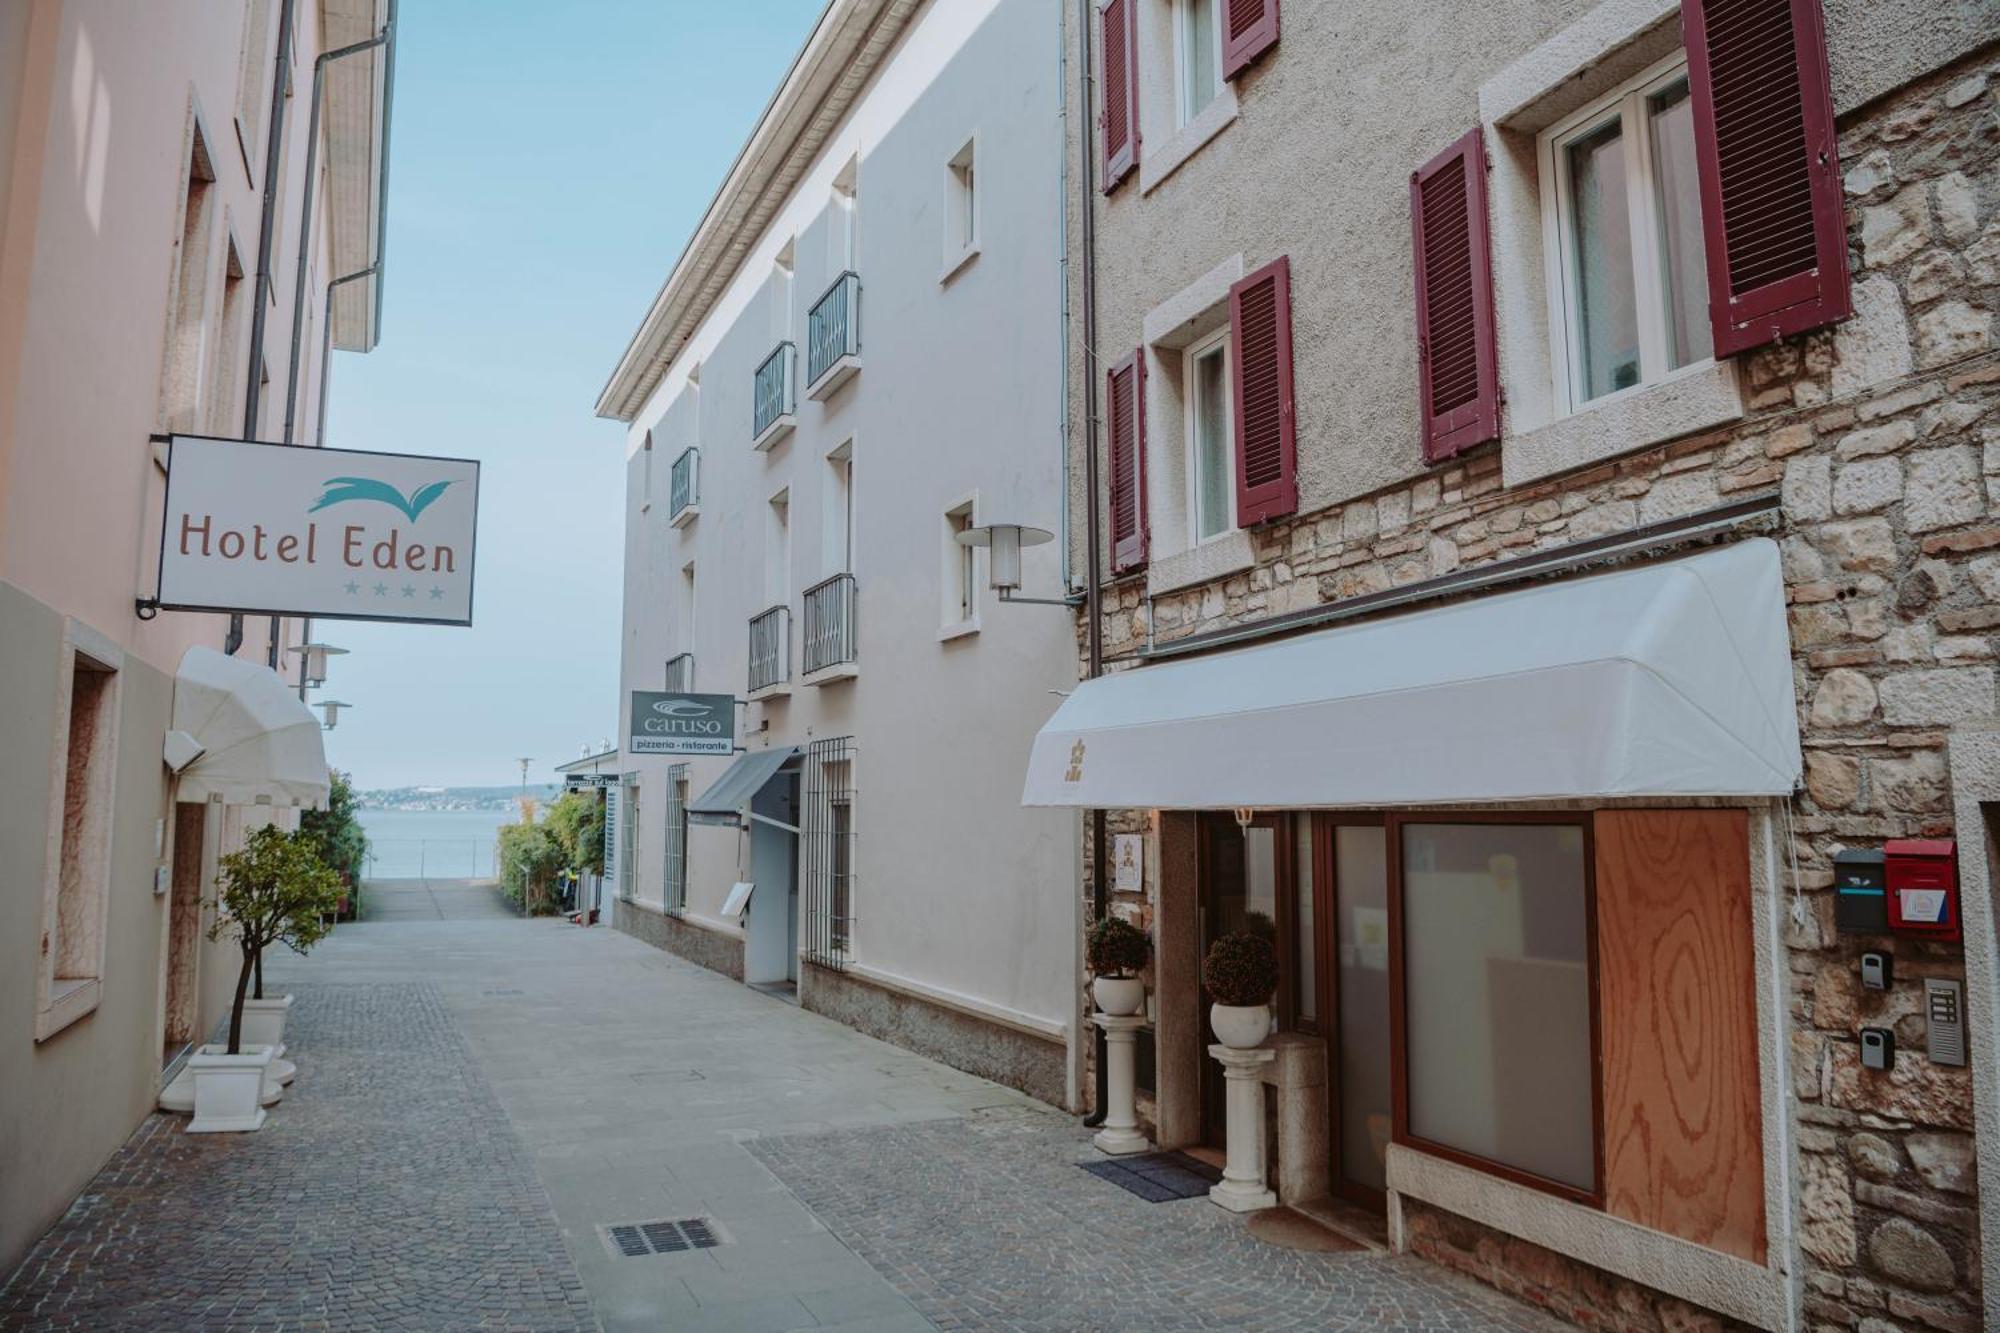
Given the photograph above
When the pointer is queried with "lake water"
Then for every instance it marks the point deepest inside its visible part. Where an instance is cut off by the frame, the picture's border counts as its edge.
(440, 844)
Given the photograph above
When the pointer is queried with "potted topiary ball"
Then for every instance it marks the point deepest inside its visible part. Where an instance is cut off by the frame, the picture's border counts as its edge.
(1117, 951)
(1241, 976)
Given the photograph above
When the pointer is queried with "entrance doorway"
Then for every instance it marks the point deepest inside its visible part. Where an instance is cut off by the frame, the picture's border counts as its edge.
(1355, 950)
(1317, 887)
(184, 932)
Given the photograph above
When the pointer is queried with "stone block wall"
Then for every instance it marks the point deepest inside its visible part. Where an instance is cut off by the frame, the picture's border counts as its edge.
(1883, 439)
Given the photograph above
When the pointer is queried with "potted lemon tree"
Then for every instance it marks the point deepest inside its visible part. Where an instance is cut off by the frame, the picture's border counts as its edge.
(276, 890)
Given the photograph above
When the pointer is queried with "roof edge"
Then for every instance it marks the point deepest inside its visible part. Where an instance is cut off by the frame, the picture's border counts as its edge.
(828, 76)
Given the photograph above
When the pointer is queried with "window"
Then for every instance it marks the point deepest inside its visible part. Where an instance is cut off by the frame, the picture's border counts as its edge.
(628, 837)
(1629, 285)
(778, 550)
(838, 529)
(673, 892)
(190, 375)
(77, 880)
(251, 93)
(1497, 996)
(843, 217)
(961, 583)
(687, 607)
(1211, 492)
(1197, 54)
(782, 273)
(961, 208)
(827, 848)
(225, 409)
(646, 473)
(1305, 937)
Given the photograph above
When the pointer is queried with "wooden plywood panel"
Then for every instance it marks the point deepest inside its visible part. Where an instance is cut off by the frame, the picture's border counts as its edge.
(1683, 1148)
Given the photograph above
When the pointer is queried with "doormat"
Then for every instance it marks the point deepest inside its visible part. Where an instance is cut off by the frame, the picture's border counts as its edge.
(1157, 1177)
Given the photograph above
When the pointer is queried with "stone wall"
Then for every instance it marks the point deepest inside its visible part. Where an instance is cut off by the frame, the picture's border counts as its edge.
(712, 949)
(1882, 439)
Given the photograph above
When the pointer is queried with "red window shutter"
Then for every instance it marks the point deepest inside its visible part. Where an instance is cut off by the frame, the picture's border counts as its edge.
(1260, 383)
(1770, 175)
(1118, 121)
(1249, 29)
(1125, 428)
(1458, 367)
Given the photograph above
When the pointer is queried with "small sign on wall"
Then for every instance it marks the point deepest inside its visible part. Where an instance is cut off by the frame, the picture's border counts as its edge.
(1128, 862)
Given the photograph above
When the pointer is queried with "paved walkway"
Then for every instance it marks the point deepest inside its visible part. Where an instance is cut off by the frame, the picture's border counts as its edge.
(483, 1101)
(434, 900)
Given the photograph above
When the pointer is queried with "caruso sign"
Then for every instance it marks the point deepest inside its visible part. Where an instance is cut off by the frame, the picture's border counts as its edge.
(332, 533)
(682, 723)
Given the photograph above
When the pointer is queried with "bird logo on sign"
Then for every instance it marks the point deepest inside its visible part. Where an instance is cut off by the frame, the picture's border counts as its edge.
(339, 490)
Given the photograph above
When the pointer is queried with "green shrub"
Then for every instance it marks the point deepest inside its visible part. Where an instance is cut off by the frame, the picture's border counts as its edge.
(1241, 969)
(529, 859)
(336, 832)
(1116, 948)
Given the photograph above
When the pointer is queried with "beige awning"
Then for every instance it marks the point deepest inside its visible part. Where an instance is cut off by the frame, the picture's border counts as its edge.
(258, 742)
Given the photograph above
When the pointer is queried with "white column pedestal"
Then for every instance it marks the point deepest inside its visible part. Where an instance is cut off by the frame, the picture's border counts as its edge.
(1120, 1134)
(1242, 1188)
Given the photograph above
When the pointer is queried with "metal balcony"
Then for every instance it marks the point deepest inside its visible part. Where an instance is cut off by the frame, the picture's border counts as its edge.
(833, 337)
(686, 489)
(771, 651)
(829, 617)
(680, 674)
(774, 401)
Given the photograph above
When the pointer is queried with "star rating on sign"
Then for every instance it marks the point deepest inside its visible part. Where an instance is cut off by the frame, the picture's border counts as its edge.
(353, 588)
(381, 590)
(437, 593)
(409, 590)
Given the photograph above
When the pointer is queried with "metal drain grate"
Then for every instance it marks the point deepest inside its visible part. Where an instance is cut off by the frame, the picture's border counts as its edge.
(633, 1240)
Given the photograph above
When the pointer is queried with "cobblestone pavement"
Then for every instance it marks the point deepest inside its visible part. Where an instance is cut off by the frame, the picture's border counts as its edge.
(387, 1191)
(986, 1223)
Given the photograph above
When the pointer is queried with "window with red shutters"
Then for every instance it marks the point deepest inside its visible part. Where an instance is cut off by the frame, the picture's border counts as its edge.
(1118, 120)
(1249, 29)
(1125, 434)
(1770, 176)
(1260, 381)
(1458, 367)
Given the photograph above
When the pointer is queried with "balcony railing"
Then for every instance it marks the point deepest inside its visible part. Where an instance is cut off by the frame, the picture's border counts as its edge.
(829, 612)
(833, 335)
(774, 399)
(680, 674)
(686, 490)
(770, 648)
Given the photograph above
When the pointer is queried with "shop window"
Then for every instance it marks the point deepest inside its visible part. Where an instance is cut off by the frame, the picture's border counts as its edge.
(1304, 935)
(77, 881)
(674, 892)
(1497, 997)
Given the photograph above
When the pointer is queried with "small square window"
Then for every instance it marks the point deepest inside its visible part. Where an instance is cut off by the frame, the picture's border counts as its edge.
(1197, 55)
(1211, 489)
(1629, 275)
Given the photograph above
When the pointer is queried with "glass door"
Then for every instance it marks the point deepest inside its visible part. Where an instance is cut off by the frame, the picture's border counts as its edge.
(1243, 870)
(1359, 1054)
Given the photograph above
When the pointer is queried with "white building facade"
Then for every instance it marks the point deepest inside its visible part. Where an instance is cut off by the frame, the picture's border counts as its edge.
(859, 357)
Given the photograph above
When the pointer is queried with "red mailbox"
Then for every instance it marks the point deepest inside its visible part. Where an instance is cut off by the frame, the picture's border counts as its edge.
(1923, 886)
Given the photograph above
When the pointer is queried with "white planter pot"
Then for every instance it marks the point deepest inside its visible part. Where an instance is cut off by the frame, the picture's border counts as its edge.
(1119, 996)
(1240, 1027)
(228, 1089)
(264, 1023)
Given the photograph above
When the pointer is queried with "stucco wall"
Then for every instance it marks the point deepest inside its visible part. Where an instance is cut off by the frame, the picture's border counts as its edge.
(957, 887)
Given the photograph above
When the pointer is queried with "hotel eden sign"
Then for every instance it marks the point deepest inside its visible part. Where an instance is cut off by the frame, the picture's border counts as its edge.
(335, 534)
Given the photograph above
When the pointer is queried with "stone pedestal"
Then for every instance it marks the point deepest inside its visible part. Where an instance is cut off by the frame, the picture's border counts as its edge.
(1242, 1189)
(1120, 1134)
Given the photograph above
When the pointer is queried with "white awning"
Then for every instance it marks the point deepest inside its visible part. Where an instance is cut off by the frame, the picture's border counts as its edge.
(260, 744)
(1670, 679)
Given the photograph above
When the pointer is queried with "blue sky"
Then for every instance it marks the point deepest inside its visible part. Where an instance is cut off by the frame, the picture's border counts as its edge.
(547, 166)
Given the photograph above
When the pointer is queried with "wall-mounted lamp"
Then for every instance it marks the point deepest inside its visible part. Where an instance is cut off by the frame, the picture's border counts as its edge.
(315, 654)
(1245, 817)
(332, 709)
(1003, 543)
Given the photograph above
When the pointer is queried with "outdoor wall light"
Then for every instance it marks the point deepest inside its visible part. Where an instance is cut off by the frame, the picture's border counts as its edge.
(1003, 543)
(332, 708)
(1245, 817)
(315, 654)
